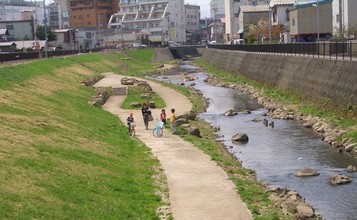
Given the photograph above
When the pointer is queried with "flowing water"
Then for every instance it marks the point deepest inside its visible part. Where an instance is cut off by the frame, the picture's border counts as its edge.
(276, 153)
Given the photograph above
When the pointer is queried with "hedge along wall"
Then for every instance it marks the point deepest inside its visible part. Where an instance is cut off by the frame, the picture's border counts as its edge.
(325, 81)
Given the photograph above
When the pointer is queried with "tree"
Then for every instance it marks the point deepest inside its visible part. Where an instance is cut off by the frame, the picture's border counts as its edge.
(40, 33)
(260, 30)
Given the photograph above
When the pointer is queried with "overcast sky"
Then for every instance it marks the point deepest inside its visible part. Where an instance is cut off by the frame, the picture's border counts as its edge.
(204, 6)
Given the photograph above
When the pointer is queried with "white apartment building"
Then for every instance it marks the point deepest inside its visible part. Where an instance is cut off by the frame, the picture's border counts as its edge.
(344, 17)
(158, 20)
(58, 14)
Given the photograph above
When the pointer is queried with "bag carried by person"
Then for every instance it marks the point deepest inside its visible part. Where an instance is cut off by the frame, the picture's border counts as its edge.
(151, 118)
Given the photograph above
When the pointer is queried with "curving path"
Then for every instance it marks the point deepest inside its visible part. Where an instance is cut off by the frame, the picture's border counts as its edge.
(198, 188)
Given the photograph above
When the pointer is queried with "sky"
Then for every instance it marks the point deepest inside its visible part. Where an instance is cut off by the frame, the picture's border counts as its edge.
(205, 12)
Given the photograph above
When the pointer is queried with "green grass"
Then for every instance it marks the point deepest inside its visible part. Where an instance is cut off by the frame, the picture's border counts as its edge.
(143, 55)
(61, 158)
(134, 95)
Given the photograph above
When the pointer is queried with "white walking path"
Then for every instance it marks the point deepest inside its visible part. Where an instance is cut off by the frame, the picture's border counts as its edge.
(198, 188)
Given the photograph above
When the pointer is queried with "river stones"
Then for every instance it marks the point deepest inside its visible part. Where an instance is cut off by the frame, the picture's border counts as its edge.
(351, 169)
(240, 138)
(230, 112)
(339, 179)
(305, 171)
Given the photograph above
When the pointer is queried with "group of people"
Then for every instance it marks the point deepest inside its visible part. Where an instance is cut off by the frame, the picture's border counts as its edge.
(147, 116)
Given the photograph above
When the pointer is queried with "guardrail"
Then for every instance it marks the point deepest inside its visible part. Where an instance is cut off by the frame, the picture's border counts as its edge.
(7, 57)
(331, 50)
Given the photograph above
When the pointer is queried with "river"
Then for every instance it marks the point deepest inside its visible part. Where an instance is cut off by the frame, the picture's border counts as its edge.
(276, 153)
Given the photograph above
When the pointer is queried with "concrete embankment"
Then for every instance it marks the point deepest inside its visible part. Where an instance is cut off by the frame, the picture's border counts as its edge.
(328, 82)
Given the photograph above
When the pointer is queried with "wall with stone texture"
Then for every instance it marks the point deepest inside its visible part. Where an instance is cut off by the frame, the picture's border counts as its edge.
(332, 82)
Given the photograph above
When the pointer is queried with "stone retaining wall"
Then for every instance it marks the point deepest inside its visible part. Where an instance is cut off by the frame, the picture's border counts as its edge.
(332, 82)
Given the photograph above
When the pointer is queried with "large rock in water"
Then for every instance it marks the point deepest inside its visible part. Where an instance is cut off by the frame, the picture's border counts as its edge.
(351, 169)
(306, 172)
(240, 138)
(230, 112)
(339, 179)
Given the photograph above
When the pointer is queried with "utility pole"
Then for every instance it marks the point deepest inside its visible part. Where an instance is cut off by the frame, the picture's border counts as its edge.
(270, 23)
(45, 21)
(340, 20)
(215, 22)
(317, 20)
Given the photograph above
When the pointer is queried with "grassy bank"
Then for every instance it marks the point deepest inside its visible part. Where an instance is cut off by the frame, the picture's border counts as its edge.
(346, 118)
(61, 158)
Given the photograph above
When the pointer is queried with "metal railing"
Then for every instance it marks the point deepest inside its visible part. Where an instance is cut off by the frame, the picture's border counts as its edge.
(330, 49)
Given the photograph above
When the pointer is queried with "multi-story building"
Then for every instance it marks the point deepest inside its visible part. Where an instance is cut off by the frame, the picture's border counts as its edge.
(231, 9)
(90, 13)
(11, 10)
(310, 21)
(19, 30)
(150, 21)
(192, 23)
(344, 18)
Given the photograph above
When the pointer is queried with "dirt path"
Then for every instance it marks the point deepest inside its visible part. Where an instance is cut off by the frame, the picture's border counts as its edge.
(198, 188)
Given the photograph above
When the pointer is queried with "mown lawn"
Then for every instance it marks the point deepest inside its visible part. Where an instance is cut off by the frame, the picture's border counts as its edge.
(61, 158)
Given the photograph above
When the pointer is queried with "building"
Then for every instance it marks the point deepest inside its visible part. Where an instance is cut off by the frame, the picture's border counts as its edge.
(4, 34)
(310, 22)
(12, 10)
(251, 14)
(192, 13)
(344, 18)
(217, 8)
(90, 13)
(154, 22)
(65, 39)
(231, 8)
(280, 15)
(19, 30)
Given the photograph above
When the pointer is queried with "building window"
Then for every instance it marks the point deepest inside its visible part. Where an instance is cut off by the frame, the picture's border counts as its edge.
(236, 0)
(293, 22)
(337, 18)
(88, 23)
(287, 14)
(88, 35)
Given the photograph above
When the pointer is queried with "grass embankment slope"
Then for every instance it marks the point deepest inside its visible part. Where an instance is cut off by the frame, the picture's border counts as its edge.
(345, 117)
(61, 158)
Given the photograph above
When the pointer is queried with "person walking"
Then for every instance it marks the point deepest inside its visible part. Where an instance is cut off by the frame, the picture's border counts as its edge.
(163, 117)
(172, 121)
(146, 114)
(129, 121)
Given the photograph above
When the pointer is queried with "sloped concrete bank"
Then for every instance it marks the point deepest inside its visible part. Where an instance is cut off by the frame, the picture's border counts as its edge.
(273, 71)
(323, 81)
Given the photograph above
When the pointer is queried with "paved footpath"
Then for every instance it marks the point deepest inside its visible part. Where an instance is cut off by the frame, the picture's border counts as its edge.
(198, 188)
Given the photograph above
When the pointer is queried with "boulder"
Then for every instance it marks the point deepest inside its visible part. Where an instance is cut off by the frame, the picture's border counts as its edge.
(147, 88)
(127, 81)
(306, 172)
(152, 104)
(256, 120)
(191, 115)
(230, 112)
(351, 169)
(145, 95)
(135, 105)
(304, 212)
(181, 121)
(240, 137)
(194, 131)
(339, 179)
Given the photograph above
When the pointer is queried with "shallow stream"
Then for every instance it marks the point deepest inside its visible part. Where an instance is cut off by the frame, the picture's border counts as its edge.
(276, 153)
